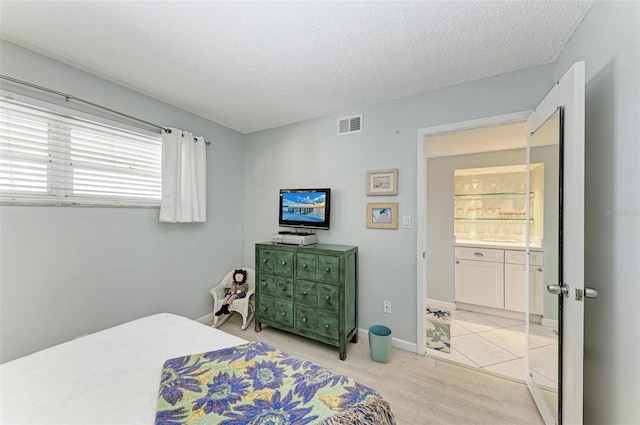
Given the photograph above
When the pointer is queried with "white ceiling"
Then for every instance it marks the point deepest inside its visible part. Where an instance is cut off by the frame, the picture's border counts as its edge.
(256, 65)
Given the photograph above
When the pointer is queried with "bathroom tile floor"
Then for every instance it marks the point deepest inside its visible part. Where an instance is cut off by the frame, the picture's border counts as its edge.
(497, 344)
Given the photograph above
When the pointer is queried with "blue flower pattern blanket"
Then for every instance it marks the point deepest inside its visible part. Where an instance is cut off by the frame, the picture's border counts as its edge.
(256, 383)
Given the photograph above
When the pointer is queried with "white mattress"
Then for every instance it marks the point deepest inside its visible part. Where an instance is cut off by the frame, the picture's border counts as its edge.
(110, 377)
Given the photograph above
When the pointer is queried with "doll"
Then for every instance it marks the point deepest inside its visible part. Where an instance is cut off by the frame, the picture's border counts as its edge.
(238, 289)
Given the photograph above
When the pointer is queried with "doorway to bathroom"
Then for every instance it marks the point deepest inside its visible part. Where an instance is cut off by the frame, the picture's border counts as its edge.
(556, 125)
(478, 203)
(456, 203)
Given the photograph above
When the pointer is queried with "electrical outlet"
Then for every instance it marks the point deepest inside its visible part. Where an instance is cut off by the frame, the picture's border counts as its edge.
(387, 307)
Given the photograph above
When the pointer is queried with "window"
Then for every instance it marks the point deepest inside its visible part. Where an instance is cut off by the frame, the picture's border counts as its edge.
(54, 159)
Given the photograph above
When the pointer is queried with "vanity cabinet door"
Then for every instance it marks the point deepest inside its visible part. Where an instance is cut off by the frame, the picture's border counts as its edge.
(515, 288)
(515, 281)
(479, 282)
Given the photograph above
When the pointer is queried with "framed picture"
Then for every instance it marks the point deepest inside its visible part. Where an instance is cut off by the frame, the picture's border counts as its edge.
(382, 182)
(382, 215)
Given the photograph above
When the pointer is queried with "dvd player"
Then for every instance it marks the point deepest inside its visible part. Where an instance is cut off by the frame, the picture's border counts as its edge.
(290, 238)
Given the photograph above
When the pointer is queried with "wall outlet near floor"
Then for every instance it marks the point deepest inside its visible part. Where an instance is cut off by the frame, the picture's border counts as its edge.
(386, 306)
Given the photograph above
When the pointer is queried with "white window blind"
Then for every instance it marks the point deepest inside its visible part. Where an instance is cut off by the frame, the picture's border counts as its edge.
(54, 159)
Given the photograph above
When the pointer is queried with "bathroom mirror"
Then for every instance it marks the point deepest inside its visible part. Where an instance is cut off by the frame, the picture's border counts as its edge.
(544, 336)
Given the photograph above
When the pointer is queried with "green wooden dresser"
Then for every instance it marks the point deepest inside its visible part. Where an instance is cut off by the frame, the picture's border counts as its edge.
(308, 290)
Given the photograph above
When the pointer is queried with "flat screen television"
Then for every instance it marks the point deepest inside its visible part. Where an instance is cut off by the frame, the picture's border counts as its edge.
(306, 208)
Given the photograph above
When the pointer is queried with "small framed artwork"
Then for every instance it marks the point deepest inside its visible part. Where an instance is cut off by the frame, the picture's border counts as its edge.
(382, 215)
(382, 182)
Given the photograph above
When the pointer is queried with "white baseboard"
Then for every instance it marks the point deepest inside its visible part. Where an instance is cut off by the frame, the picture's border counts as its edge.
(441, 304)
(362, 333)
(205, 319)
(395, 342)
(552, 323)
(493, 311)
(535, 318)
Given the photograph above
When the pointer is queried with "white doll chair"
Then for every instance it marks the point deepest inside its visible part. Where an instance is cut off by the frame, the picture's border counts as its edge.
(245, 306)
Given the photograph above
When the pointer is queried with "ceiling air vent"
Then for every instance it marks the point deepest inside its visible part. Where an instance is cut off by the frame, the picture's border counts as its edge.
(350, 125)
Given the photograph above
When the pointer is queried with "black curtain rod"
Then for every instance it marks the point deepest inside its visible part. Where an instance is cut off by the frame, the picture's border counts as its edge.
(69, 97)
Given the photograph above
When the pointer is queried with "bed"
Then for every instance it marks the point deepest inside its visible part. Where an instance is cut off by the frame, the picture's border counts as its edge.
(167, 369)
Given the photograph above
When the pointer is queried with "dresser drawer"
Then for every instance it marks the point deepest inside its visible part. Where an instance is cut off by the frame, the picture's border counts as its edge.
(266, 284)
(480, 254)
(266, 259)
(284, 263)
(325, 268)
(306, 266)
(283, 312)
(273, 261)
(520, 257)
(328, 269)
(328, 297)
(266, 308)
(328, 324)
(306, 319)
(284, 288)
(306, 293)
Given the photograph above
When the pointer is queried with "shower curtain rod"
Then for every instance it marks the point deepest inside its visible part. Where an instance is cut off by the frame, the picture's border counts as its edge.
(95, 105)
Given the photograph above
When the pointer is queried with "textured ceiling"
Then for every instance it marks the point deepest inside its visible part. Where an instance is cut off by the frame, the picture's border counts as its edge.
(256, 65)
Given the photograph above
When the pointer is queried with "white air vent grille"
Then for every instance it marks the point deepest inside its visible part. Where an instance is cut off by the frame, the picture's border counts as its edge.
(350, 125)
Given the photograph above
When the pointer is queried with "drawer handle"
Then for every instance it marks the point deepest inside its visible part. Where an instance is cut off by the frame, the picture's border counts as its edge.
(284, 313)
(457, 262)
(304, 319)
(539, 269)
(304, 266)
(327, 297)
(284, 288)
(265, 308)
(328, 269)
(264, 283)
(304, 293)
(284, 263)
(264, 261)
(326, 326)
(478, 254)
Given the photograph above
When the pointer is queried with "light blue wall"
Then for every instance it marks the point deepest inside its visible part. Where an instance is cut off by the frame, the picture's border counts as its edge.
(609, 42)
(310, 154)
(57, 282)
(67, 271)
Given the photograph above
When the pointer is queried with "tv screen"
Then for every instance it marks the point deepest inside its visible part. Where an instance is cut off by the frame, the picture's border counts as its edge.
(305, 208)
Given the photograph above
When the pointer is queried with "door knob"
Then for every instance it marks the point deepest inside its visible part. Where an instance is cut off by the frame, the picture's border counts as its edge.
(557, 289)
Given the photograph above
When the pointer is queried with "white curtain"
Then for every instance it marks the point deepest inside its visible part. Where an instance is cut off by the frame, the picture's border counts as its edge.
(184, 178)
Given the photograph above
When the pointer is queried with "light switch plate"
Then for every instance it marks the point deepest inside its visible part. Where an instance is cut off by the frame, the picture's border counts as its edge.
(406, 222)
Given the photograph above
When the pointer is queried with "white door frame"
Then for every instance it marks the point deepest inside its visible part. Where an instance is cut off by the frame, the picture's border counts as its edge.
(421, 213)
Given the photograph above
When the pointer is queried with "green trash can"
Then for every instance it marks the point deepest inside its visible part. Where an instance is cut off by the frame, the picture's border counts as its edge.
(380, 343)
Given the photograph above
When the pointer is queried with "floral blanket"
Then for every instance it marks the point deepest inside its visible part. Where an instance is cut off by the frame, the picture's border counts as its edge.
(256, 383)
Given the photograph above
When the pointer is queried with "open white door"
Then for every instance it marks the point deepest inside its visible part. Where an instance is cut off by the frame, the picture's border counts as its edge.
(562, 110)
